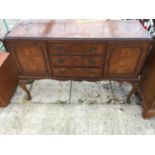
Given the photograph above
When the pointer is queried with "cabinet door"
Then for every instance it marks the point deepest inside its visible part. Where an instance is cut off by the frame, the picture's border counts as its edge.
(30, 57)
(125, 59)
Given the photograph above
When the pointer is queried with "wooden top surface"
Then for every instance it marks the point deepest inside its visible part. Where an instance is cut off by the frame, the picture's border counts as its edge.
(3, 57)
(80, 29)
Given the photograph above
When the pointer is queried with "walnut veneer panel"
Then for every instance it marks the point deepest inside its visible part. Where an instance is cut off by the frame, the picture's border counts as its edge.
(30, 57)
(126, 59)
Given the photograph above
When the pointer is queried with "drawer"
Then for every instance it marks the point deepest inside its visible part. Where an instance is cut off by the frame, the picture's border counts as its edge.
(75, 49)
(61, 61)
(77, 72)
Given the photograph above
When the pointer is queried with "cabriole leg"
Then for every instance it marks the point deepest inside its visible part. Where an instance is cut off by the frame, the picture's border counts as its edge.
(133, 91)
(130, 94)
(22, 84)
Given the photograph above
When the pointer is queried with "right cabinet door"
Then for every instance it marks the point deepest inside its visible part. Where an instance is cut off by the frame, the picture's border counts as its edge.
(126, 59)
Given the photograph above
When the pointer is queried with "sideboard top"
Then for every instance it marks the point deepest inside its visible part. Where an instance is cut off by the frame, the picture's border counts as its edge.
(80, 29)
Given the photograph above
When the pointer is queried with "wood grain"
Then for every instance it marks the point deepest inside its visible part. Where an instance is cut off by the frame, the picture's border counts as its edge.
(76, 48)
(75, 29)
(8, 78)
(76, 61)
(30, 57)
(77, 72)
(147, 85)
(125, 59)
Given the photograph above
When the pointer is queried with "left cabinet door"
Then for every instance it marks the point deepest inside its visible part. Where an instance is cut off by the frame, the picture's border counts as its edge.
(31, 56)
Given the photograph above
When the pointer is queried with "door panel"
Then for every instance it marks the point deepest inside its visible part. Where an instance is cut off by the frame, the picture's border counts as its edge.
(125, 60)
(30, 57)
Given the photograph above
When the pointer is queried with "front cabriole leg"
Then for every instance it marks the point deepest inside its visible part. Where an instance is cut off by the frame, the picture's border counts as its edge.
(22, 84)
(134, 90)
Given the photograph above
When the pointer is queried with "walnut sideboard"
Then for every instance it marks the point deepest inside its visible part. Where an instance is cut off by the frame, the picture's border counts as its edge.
(79, 50)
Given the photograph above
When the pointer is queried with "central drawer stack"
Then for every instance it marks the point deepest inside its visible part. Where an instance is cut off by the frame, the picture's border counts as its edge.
(76, 59)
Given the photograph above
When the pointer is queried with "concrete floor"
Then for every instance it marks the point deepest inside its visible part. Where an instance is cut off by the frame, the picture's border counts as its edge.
(69, 107)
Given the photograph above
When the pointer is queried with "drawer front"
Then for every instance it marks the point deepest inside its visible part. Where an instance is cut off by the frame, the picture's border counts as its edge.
(77, 72)
(75, 49)
(83, 61)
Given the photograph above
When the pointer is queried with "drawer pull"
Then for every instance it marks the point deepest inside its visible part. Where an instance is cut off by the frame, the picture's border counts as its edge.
(93, 49)
(62, 72)
(59, 48)
(92, 61)
(91, 72)
(60, 61)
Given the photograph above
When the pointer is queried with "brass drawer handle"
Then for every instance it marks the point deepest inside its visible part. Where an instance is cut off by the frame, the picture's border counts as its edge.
(59, 48)
(92, 61)
(93, 49)
(60, 61)
(91, 72)
(62, 72)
